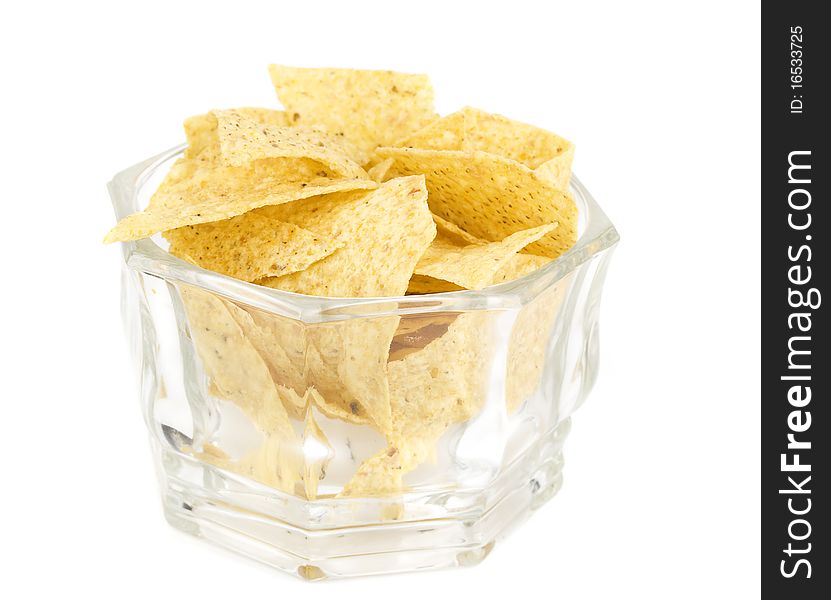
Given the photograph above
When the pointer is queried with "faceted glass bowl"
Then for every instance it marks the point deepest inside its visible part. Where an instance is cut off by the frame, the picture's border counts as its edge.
(262, 405)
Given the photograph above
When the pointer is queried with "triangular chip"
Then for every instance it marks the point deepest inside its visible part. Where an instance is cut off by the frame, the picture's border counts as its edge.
(203, 194)
(243, 140)
(558, 169)
(473, 129)
(491, 197)
(385, 232)
(250, 246)
(414, 332)
(335, 409)
(369, 108)
(281, 342)
(533, 327)
(522, 142)
(231, 362)
(422, 284)
(475, 266)
(378, 172)
(443, 383)
(518, 266)
(446, 133)
(456, 234)
(201, 130)
(343, 360)
(378, 475)
(346, 363)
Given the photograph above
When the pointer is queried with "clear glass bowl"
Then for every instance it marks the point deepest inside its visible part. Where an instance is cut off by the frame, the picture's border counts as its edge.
(259, 420)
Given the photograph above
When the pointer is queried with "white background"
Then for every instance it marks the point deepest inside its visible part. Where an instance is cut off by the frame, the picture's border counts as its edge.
(661, 493)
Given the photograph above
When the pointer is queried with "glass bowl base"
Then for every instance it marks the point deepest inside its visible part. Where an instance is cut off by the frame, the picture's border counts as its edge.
(314, 541)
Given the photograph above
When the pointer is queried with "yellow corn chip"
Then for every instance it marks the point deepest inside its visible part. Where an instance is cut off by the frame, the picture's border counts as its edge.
(243, 140)
(294, 403)
(345, 361)
(558, 169)
(347, 365)
(446, 133)
(532, 329)
(456, 234)
(369, 108)
(266, 116)
(250, 246)
(491, 197)
(378, 172)
(428, 393)
(519, 266)
(201, 130)
(416, 331)
(335, 410)
(474, 267)
(385, 232)
(233, 365)
(378, 475)
(521, 142)
(473, 129)
(427, 389)
(281, 342)
(214, 194)
(422, 284)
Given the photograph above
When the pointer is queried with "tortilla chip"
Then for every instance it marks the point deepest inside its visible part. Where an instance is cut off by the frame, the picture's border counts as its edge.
(475, 266)
(250, 246)
(369, 108)
(201, 130)
(266, 116)
(335, 410)
(231, 362)
(428, 393)
(533, 328)
(518, 266)
(347, 365)
(243, 140)
(456, 234)
(344, 361)
(519, 141)
(422, 284)
(281, 342)
(378, 172)
(558, 169)
(340, 366)
(491, 197)
(426, 388)
(385, 232)
(446, 133)
(414, 332)
(473, 129)
(210, 194)
(378, 475)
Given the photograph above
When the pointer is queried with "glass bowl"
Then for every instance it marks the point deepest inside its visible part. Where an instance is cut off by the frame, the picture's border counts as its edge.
(332, 437)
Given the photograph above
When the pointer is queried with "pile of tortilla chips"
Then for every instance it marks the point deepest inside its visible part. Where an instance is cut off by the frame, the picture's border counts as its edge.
(337, 194)
(358, 189)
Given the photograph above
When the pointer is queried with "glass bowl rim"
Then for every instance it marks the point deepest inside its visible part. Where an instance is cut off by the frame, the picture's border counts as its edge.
(144, 255)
